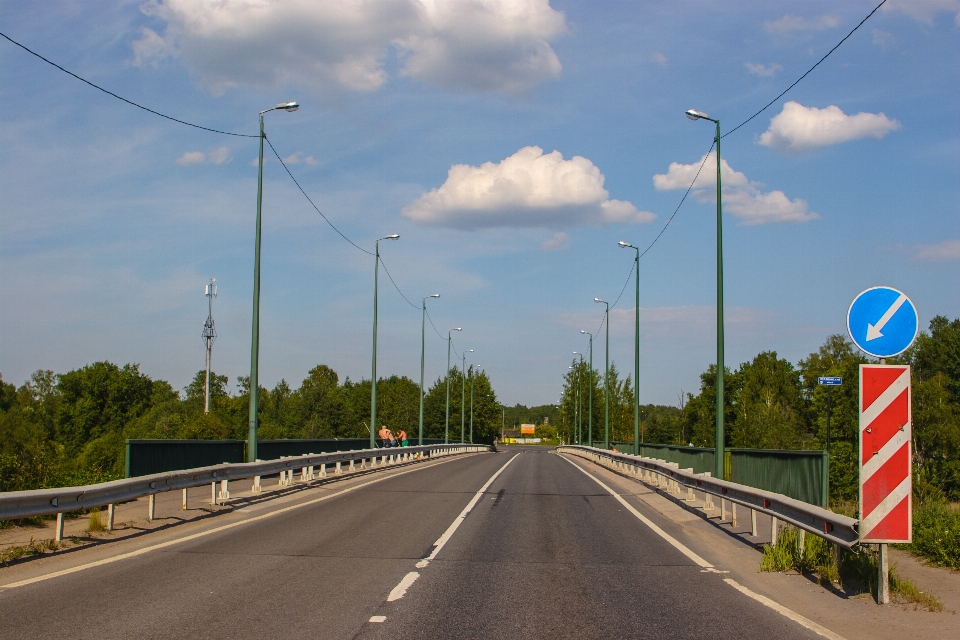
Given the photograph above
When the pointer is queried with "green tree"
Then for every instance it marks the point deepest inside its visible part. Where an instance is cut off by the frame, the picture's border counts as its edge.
(769, 411)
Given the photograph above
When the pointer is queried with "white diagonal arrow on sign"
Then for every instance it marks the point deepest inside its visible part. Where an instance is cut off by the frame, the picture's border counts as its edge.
(874, 330)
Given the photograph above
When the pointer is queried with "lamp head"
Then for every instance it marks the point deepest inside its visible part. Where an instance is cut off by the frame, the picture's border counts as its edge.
(625, 244)
(392, 236)
(693, 114)
(599, 300)
(287, 106)
(457, 329)
(434, 295)
(469, 351)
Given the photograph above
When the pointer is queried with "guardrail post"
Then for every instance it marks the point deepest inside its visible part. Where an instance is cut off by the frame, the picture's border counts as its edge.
(183, 501)
(733, 515)
(723, 509)
(801, 540)
(352, 468)
(774, 533)
(323, 470)
(753, 523)
(110, 512)
(338, 470)
(256, 488)
(151, 505)
(59, 534)
(225, 490)
(213, 492)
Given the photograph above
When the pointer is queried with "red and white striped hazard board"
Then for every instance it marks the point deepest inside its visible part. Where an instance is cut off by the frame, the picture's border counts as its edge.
(885, 460)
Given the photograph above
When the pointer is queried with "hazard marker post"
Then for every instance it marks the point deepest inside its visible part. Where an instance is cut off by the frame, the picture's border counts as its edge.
(886, 490)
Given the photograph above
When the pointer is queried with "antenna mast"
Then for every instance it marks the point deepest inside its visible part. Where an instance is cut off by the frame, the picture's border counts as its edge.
(209, 335)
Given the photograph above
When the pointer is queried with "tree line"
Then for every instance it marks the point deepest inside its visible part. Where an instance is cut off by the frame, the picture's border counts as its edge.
(770, 403)
(70, 429)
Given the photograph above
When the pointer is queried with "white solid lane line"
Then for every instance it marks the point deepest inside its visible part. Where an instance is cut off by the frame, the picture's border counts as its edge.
(782, 610)
(442, 540)
(401, 589)
(779, 608)
(169, 543)
(679, 546)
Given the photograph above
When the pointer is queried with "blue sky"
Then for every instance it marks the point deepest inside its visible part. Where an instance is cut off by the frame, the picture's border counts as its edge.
(510, 144)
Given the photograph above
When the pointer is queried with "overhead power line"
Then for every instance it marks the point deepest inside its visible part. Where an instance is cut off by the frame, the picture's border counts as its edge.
(860, 24)
(130, 102)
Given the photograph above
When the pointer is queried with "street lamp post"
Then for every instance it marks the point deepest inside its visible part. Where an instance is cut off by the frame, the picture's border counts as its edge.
(606, 380)
(463, 395)
(373, 374)
(590, 385)
(446, 430)
(637, 436)
(580, 401)
(472, 367)
(255, 333)
(423, 348)
(693, 114)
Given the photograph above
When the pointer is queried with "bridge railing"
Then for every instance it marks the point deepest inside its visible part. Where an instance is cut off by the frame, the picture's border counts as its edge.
(836, 528)
(26, 504)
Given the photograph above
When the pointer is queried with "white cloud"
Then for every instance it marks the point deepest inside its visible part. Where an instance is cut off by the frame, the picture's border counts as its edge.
(945, 251)
(559, 242)
(884, 38)
(789, 23)
(925, 10)
(659, 58)
(295, 158)
(192, 157)
(741, 196)
(527, 189)
(763, 70)
(337, 45)
(798, 129)
(220, 155)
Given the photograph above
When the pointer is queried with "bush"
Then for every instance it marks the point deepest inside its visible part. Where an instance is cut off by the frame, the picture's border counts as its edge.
(936, 534)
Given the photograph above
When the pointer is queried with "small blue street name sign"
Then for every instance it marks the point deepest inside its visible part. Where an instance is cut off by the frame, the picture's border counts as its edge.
(830, 381)
(882, 322)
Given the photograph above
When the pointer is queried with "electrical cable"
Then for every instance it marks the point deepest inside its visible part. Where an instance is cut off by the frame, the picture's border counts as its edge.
(439, 335)
(808, 71)
(130, 102)
(395, 285)
(327, 220)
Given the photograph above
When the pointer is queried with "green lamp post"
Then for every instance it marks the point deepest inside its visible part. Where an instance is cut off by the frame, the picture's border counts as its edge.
(606, 380)
(446, 430)
(693, 114)
(590, 396)
(463, 396)
(255, 337)
(373, 374)
(637, 436)
(423, 348)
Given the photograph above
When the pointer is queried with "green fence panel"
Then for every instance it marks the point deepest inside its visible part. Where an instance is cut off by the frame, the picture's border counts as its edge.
(700, 459)
(145, 457)
(798, 474)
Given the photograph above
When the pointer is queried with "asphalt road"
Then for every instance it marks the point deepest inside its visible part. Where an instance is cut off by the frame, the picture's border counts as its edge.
(545, 552)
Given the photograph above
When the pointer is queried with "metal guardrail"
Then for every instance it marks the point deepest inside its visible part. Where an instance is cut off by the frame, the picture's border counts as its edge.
(26, 504)
(836, 528)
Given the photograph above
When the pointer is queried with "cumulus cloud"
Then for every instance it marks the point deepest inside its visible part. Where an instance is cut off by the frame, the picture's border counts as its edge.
(925, 10)
(295, 158)
(527, 189)
(945, 251)
(790, 23)
(763, 70)
(798, 129)
(220, 155)
(741, 196)
(336, 45)
(559, 242)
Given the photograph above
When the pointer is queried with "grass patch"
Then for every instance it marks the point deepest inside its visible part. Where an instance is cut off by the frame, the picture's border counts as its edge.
(936, 534)
(32, 548)
(855, 570)
(95, 524)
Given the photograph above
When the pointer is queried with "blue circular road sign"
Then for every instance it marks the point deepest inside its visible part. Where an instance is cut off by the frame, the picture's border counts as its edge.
(883, 322)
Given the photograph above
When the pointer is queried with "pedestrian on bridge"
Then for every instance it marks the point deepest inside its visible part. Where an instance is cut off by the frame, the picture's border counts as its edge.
(386, 437)
(402, 437)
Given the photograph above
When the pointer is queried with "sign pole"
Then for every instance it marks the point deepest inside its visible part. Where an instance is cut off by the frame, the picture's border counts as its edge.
(826, 462)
